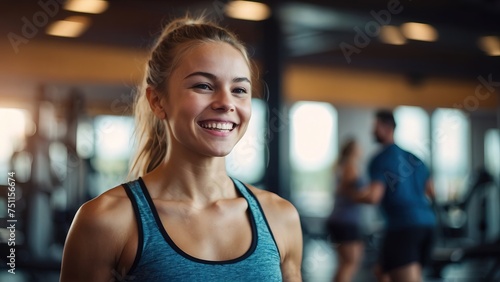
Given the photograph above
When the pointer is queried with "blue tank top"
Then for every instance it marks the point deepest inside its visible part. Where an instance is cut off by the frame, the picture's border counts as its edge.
(159, 259)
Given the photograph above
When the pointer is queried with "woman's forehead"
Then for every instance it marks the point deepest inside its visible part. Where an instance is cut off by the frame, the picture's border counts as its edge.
(217, 58)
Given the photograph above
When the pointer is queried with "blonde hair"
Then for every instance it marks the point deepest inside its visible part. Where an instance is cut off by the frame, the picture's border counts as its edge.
(346, 152)
(177, 37)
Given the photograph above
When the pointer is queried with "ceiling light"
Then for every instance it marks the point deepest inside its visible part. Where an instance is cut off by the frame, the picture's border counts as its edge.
(86, 6)
(70, 27)
(248, 10)
(419, 31)
(490, 45)
(390, 34)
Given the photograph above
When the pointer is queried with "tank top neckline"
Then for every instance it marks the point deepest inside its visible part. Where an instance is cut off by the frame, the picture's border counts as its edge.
(178, 250)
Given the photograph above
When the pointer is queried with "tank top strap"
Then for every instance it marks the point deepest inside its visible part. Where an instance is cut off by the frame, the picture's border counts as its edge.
(148, 230)
(264, 232)
(140, 203)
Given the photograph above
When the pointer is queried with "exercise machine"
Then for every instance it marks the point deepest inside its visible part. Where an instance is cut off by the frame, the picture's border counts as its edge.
(452, 248)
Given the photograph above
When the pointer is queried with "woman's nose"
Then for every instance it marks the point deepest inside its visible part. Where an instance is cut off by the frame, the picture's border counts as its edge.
(223, 101)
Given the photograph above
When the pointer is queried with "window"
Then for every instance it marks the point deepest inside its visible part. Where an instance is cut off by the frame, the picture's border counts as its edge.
(313, 147)
(13, 128)
(412, 131)
(492, 152)
(113, 147)
(450, 159)
(312, 140)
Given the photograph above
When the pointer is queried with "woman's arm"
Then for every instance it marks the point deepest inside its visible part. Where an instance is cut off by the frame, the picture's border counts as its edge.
(92, 246)
(292, 261)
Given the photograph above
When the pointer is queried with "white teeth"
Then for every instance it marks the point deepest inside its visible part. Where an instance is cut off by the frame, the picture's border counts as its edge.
(217, 125)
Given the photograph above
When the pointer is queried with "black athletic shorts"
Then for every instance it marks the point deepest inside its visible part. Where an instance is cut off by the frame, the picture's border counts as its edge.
(404, 246)
(344, 232)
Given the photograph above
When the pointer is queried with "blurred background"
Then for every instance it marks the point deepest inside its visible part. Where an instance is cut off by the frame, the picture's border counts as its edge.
(68, 72)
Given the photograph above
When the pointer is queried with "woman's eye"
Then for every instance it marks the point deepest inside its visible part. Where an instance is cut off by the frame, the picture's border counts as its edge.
(203, 86)
(240, 90)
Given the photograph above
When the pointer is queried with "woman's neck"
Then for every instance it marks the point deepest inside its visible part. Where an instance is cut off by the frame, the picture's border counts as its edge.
(191, 177)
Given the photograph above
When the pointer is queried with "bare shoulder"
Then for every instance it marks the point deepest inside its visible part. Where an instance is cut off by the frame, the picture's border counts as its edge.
(281, 215)
(106, 208)
(275, 206)
(109, 215)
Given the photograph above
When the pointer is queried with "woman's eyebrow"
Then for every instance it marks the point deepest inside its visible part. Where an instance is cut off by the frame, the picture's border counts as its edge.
(241, 79)
(213, 77)
(205, 74)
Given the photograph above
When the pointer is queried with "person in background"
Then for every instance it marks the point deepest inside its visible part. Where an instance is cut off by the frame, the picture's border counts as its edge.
(183, 218)
(343, 223)
(400, 183)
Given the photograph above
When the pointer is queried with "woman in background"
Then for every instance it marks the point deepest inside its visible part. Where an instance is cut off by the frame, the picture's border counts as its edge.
(344, 221)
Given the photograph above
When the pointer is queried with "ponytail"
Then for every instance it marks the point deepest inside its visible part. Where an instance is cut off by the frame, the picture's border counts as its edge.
(151, 137)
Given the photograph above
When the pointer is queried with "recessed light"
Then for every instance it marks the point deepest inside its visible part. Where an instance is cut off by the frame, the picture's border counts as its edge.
(490, 45)
(248, 10)
(390, 34)
(86, 6)
(70, 27)
(419, 31)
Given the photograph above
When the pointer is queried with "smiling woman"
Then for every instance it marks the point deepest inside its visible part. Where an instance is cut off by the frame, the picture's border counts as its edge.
(183, 218)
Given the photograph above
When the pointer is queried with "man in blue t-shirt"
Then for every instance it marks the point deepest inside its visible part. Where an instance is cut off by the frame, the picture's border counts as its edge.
(399, 182)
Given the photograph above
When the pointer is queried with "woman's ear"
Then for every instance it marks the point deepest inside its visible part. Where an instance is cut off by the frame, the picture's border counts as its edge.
(154, 100)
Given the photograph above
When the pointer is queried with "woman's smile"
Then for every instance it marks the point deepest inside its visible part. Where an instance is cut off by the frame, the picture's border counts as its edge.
(217, 126)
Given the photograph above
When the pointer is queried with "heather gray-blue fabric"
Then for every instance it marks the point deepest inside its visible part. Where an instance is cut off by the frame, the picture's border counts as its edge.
(159, 259)
(346, 210)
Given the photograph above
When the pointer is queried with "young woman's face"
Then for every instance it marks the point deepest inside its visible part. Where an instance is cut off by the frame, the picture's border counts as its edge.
(208, 99)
